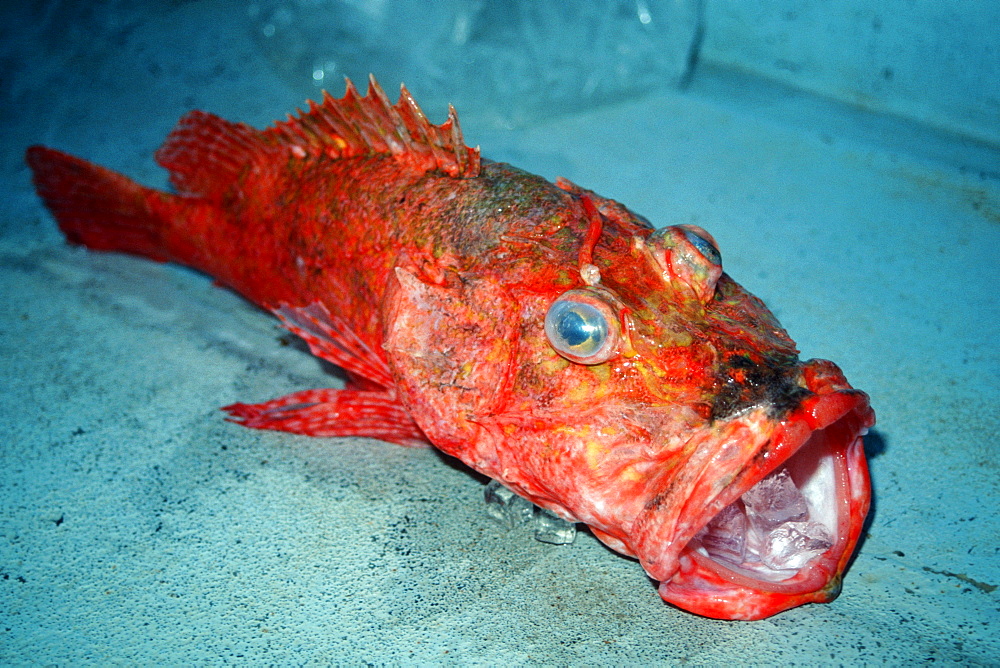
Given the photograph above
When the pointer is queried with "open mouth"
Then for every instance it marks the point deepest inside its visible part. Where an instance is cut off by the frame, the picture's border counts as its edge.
(798, 513)
(786, 540)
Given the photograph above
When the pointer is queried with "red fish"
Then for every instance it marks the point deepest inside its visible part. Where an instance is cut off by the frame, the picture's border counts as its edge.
(548, 337)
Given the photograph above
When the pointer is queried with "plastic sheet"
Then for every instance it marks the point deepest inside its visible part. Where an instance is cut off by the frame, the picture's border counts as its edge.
(504, 62)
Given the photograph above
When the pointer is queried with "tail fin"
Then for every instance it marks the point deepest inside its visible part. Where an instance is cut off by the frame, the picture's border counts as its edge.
(96, 207)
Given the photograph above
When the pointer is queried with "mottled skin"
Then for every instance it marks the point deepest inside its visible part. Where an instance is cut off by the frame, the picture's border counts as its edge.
(438, 269)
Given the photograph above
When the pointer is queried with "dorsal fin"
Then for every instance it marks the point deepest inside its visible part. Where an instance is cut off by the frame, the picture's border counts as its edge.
(355, 125)
(206, 154)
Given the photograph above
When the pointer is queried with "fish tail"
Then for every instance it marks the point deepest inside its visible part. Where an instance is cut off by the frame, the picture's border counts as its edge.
(98, 208)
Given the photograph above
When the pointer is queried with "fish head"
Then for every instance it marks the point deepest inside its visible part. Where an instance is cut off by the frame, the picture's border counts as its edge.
(688, 433)
(645, 393)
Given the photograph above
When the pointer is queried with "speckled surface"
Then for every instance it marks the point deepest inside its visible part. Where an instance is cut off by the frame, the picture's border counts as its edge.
(137, 527)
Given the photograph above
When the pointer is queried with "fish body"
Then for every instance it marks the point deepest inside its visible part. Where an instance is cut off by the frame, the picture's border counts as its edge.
(549, 338)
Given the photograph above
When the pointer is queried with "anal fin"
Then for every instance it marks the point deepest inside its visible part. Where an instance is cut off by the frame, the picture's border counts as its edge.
(327, 412)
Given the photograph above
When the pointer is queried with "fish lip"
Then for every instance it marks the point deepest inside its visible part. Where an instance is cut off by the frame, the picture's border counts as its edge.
(832, 419)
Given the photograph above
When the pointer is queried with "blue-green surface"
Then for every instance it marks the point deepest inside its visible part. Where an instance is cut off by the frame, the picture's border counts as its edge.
(137, 527)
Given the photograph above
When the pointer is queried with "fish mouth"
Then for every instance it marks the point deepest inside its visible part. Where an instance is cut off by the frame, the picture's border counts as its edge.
(785, 531)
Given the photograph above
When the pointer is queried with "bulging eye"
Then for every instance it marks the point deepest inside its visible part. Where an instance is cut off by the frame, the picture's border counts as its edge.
(688, 260)
(702, 243)
(582, 328)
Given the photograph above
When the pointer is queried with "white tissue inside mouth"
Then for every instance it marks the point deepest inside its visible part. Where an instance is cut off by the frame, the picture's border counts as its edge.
(771, 530)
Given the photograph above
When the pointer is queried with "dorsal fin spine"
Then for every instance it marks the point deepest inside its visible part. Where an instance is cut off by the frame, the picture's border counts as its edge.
(297, 131)
(405, 143)
(341, 143)
(323, 125)
(354, 125)
(370, 136)
(347, 130)
(413, 118)
(458, 140)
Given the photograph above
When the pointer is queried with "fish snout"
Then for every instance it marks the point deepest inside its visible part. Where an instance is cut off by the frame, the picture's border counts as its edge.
(781, 533)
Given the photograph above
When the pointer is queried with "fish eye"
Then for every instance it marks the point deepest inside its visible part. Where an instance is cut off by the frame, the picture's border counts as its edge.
(702, 245)
(581, 328)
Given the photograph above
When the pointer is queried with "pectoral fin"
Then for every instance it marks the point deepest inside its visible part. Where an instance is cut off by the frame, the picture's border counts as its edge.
(332, 339)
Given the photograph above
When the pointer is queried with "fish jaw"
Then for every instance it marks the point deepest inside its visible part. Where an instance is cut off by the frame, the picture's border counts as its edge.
(820, 444)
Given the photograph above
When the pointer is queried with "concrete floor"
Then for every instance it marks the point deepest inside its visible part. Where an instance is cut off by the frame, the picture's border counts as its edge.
(137, 527)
